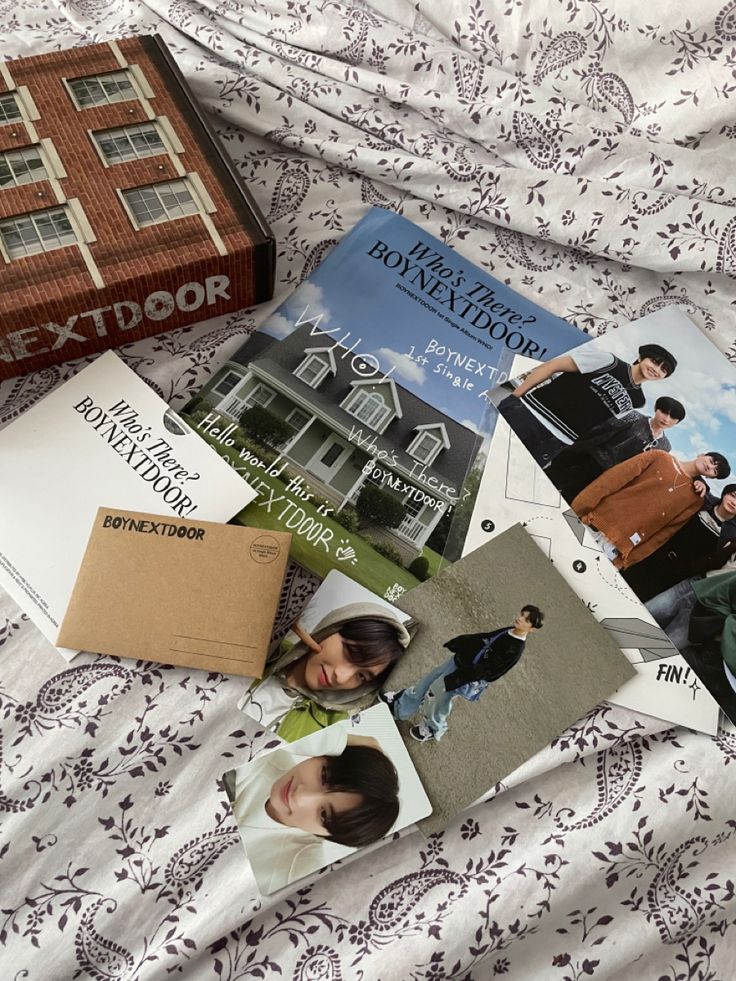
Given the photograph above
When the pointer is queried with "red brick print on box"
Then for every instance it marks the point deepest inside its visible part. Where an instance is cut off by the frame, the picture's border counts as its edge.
(120, 214)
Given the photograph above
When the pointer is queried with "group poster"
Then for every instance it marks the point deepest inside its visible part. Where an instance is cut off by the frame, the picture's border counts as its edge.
(618, 460)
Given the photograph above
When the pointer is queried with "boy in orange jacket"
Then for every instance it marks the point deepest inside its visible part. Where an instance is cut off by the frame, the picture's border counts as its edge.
(639, 504)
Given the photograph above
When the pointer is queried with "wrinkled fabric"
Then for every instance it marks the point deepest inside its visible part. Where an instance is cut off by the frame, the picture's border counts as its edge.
(577, 151)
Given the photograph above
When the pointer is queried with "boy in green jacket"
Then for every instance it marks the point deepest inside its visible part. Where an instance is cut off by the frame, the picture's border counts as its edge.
(329, 673)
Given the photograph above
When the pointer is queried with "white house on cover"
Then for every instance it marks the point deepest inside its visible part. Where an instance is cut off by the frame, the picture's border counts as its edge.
(341, 419)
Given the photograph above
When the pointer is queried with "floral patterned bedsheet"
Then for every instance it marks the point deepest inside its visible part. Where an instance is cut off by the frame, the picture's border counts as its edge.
(578, 149)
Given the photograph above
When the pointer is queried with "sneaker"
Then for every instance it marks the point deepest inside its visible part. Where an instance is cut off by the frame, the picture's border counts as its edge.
(421, 733)
(390, 698)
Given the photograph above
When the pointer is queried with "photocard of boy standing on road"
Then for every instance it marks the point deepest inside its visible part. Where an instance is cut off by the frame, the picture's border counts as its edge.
(505, 657)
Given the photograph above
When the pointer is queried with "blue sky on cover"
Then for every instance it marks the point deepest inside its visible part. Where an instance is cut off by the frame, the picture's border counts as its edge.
(704, 381)
(356, 292)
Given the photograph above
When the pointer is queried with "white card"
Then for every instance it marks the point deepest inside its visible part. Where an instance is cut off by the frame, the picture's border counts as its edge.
(104, 438)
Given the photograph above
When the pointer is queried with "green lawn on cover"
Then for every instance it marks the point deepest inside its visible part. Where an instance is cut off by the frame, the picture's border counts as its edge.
(436, 562)
(372, 570)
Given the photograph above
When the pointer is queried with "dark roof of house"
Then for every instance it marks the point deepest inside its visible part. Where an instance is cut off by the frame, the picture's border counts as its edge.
(253, 347)
(279, 359)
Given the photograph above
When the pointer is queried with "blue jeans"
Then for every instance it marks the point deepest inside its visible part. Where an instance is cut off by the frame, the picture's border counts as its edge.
(672, 609)
(541, 443)
(436, 709)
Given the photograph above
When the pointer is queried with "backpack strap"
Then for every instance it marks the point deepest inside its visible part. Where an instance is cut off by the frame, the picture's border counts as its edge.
(488, 643)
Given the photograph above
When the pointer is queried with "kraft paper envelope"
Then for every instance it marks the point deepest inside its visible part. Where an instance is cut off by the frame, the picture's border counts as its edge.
(193, 593)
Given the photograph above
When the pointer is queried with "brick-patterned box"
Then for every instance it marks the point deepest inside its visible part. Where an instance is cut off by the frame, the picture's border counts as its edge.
(120, 214)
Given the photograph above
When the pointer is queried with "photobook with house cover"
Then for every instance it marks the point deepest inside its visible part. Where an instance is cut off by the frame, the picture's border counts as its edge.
(102, 438)
(622, 466)
(505, 657)
(324, 797)
(120, 214)
(357, 411)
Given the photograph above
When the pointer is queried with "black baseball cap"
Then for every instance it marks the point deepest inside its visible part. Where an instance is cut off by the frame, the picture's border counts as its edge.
(658, 353)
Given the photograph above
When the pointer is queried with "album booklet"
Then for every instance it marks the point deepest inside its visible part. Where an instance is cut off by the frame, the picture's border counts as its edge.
(357, 412)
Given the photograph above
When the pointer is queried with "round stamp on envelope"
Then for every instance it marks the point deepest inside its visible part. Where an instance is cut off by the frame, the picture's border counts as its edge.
(264, 549)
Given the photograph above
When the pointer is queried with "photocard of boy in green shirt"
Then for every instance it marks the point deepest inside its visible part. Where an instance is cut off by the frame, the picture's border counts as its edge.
(339, 651)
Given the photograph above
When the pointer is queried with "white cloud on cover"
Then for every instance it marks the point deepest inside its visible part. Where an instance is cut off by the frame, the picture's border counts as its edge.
(304, 304)
(404, 367)
(278, 326)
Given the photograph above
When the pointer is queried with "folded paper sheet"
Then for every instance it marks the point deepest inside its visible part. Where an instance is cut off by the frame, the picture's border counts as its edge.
(672, 536)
